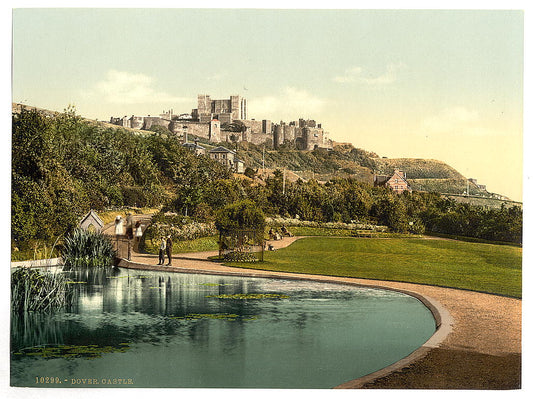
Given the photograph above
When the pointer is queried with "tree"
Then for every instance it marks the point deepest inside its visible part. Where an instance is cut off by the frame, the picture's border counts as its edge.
(391, 211)
(240, 215)
(242, 228)
(161, 130)
(250, 172)
(235, 126)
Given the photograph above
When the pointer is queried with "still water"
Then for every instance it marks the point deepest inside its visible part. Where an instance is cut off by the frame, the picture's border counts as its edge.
(151, 329)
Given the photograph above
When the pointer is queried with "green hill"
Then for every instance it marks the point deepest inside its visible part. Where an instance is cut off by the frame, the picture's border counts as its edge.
(417, 168)
(343, 161)
(448, 186)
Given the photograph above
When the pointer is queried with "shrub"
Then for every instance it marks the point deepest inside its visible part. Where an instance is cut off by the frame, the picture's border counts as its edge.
(240, 215)
(87, 249)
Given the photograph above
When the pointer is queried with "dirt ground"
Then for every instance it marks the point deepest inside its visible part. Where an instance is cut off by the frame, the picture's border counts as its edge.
(455, 369)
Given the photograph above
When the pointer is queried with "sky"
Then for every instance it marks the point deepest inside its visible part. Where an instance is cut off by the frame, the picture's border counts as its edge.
(434, 84)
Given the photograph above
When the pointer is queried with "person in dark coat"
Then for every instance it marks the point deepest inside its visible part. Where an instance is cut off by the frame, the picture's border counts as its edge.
(169, 250)
(162, 248)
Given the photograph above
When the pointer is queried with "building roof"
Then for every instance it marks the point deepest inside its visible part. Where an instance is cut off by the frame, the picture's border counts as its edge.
(193, 145)
(92, 214)
(381, 180)
(222, 149)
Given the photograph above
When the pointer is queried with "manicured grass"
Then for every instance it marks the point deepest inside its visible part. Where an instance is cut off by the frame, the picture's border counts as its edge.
(329, 232)
(196, 245)
(473, 266)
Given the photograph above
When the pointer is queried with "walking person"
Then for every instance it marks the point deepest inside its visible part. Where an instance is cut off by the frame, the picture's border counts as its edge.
(138, 233)
(129, 225)
(169, 250)
(162, 249)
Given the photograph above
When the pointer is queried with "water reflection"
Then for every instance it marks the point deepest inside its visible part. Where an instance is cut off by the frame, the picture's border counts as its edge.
(143, 322)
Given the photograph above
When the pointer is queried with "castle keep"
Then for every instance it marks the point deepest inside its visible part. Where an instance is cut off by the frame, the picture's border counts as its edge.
(226, 111)
(227, 120)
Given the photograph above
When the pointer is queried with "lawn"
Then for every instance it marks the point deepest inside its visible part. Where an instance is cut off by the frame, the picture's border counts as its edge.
(197, 245)
(329, 232)
(473, 266)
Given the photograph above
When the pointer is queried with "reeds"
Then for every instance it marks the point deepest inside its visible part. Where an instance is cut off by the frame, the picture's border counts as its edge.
(87, 249)
(32, 290)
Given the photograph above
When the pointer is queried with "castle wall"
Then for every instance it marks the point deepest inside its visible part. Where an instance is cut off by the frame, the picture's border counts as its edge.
(221, 106)
(235, 107)
(255, 127)
(305, 134)
(289, 133)
(225, 110)
(261, 138)
(214, 131)
(266, 126)
(149, 121)
(204, 104)
(278, 136)
(243, 109)
(191, 128)
(313, 138)
(124, 121)
(136, 122)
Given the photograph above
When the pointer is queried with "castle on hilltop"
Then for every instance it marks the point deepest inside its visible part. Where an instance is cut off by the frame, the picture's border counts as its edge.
(226, 120)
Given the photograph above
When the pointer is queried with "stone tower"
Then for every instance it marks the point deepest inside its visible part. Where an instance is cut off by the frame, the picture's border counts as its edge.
(214, 131)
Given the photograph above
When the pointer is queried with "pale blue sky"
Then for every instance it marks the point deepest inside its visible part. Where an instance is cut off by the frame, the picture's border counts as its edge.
(429, 84)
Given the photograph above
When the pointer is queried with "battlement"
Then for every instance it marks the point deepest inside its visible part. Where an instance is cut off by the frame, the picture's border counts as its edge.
(226, 120)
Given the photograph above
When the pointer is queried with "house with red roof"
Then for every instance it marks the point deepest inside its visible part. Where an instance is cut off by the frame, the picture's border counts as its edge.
(397, 182)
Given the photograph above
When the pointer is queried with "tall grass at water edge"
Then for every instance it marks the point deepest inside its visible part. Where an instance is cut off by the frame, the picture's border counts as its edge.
(32, 290)
(87, 249)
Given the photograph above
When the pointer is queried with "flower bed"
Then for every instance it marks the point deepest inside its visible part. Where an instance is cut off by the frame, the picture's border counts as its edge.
(236, 256)
(292, 222)
(184, 232)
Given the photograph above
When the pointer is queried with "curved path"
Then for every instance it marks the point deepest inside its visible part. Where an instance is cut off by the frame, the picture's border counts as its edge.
(477, 344)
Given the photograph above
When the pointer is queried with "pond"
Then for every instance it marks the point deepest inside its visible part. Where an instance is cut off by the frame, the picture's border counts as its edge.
(152, 329)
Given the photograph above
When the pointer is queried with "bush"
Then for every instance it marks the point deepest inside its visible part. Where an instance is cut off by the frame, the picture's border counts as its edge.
(240, 215)
(250, 172)
(87, 249)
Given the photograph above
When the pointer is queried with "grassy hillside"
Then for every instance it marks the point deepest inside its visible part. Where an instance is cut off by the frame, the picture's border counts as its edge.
(450, 186)
(417, 168)
(345, 161)
(485, 202)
